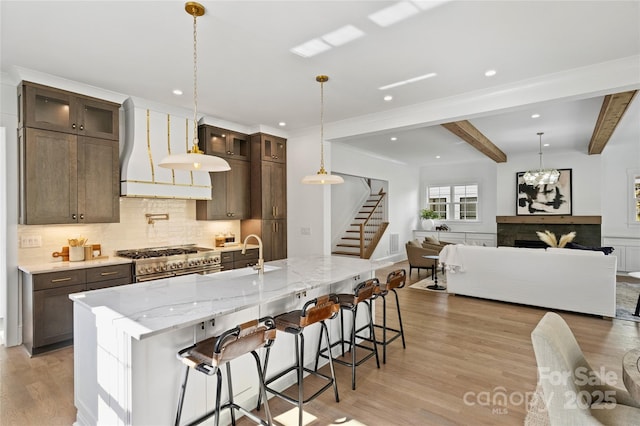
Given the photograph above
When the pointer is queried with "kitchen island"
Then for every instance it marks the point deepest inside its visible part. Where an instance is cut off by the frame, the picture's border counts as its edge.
(127, 337)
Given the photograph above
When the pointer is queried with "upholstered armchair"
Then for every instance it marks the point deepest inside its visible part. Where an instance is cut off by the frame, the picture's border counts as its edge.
(571, 399)
(415, 251)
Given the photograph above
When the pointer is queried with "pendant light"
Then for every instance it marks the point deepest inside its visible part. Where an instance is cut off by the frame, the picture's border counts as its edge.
(322, 177)
(195, 159)
(541, 176)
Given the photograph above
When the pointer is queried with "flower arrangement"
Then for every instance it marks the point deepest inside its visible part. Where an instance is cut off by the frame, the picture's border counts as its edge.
(550, 238)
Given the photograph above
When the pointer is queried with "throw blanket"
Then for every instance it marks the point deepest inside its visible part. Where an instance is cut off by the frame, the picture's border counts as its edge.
(450, 257)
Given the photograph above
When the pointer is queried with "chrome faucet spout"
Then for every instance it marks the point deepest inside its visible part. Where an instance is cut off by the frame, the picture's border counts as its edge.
(260, 266)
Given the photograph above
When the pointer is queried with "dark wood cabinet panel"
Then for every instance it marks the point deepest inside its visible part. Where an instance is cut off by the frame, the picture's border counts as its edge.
(69, 158)
(48, 108)
(230, 194)
(53, 315)
(224, 143)
(47, 309)
(273, 234)
(272, 148)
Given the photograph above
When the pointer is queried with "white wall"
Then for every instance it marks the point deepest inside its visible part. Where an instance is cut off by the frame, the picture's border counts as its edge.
(402, 190)
(481, 172)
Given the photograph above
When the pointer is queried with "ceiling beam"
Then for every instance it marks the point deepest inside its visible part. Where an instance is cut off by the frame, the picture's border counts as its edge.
(613, 108)
(465, 130)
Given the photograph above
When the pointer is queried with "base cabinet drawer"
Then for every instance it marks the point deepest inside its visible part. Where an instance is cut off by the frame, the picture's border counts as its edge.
(115, 272)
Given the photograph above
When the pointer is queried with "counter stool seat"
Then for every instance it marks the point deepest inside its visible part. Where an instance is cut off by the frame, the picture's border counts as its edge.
(294, 322)
(209, 355)
(363, 293)
(395, 279)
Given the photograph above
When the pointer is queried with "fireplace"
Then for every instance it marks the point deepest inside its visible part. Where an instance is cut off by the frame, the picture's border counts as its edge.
(520, 231)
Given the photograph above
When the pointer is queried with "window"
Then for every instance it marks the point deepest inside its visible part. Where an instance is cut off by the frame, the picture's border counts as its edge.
(454, 202)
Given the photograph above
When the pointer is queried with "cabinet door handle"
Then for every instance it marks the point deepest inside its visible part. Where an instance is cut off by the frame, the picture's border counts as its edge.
(104, 274)
(273, 211)
(73, 216)
(81, 216)
(59, 280)
(73, 126)
(82, 127)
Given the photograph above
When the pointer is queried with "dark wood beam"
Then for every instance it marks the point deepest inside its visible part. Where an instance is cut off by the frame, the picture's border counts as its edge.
(468, 133)
(613, 108)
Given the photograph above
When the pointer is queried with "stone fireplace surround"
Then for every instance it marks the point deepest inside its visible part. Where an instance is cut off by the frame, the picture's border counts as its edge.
(520, 231)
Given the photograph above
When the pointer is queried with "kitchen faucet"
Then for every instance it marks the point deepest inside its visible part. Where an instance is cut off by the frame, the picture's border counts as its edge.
(260, 266)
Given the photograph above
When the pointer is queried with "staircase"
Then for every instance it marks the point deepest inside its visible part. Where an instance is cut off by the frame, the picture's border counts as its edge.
(363, 234)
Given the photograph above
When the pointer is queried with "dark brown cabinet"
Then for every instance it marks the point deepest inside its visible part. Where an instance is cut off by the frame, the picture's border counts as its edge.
(48, 108)
(224, 143)
(273, 234)
(230, 198)
(65, 176)
(236, 260)
(272, 148)
(47, 309)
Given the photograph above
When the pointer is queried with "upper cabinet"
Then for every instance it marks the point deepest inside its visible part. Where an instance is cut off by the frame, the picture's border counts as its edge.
(67, 176)
(272, 148)
(48, 108)
(224, 143)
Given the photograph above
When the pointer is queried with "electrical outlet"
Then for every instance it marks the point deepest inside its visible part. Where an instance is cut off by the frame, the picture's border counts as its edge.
(30, 241)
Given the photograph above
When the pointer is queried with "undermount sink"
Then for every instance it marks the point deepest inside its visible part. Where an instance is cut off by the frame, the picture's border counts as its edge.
(242, 272)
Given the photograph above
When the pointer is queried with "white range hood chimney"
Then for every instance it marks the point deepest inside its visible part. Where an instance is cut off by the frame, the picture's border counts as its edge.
(152, 132)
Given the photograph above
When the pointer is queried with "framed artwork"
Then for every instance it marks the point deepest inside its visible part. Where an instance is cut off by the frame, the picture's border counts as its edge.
(544, 199)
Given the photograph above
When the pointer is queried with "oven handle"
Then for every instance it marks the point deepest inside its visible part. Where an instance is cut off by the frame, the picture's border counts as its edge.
(153, 277)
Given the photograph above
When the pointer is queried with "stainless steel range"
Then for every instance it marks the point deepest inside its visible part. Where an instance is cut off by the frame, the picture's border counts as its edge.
(163, 262)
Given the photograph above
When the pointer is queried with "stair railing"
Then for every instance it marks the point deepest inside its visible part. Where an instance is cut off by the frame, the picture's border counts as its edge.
(372, 223)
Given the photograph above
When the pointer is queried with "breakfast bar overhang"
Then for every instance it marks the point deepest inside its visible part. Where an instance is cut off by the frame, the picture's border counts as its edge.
(127, 337)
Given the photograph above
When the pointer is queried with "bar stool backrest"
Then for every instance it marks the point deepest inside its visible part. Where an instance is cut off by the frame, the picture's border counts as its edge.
(319, 309)
(365, 290)
(243, 339)
(396, 279)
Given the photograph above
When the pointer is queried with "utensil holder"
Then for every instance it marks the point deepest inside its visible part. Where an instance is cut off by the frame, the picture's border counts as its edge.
(76, 254)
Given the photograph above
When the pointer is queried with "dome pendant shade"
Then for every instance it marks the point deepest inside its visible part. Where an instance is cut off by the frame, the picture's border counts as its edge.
(541, 176)
(195, 160)
(322, 177)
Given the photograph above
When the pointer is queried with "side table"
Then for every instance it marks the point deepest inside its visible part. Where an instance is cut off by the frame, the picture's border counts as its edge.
(435, 285)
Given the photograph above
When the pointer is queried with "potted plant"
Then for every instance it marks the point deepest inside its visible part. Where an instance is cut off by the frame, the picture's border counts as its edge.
(428, 216)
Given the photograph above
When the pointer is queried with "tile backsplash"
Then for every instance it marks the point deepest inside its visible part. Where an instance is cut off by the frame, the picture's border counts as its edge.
(133, 231)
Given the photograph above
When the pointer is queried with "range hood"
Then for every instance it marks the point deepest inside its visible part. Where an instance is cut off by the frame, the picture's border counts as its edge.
(153, 131)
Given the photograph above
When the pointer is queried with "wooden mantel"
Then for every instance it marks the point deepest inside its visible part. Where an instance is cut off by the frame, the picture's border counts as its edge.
(551, 219)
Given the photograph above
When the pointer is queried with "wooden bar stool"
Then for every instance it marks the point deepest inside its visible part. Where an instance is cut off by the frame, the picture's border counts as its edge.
(363, 293)
(314, 311)
(395, 279)
(210, 354)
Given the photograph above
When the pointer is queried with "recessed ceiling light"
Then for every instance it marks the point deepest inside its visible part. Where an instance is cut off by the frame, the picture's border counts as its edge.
(342, 35)
(393, 138)
(395, 13)
(388, 98)
(490, 73)
(311, 48)
(177, 92)
(535, 115)
(546, 144)
(437, 156)
(282, 124)
(410, 80)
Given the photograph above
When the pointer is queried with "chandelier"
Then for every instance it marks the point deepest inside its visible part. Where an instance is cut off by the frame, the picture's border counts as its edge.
(322, 177)
(195, 159)
(541, 176)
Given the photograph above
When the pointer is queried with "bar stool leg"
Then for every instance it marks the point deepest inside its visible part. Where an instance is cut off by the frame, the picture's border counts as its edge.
(263, 390)
(218, 392)
(299, 358)
(399, 318)
(229, 386)
(183, 388)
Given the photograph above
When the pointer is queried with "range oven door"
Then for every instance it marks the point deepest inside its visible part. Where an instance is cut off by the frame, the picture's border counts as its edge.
(201, 270)
(151, 277)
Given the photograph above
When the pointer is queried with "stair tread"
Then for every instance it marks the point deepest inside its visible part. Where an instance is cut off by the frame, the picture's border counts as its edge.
(345, 253)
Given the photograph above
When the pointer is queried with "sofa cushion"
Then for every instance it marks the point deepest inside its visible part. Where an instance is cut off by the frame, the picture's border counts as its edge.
(415, 243)
(431, 240)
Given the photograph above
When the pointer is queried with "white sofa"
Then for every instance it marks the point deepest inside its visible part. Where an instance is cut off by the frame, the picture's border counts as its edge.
(570, 280)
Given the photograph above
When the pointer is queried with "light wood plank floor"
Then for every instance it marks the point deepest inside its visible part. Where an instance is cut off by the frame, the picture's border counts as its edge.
(456, 346)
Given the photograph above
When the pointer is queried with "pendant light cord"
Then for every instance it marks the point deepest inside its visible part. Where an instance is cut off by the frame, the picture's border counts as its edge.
(195, 81)
(322, 126)
(540, 153)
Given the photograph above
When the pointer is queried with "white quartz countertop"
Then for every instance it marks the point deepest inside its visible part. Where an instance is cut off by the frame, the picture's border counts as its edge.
(55, 266)
(148, 308)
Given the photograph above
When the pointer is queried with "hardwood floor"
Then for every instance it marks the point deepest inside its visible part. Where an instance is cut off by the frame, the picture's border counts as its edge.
(461, 353)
